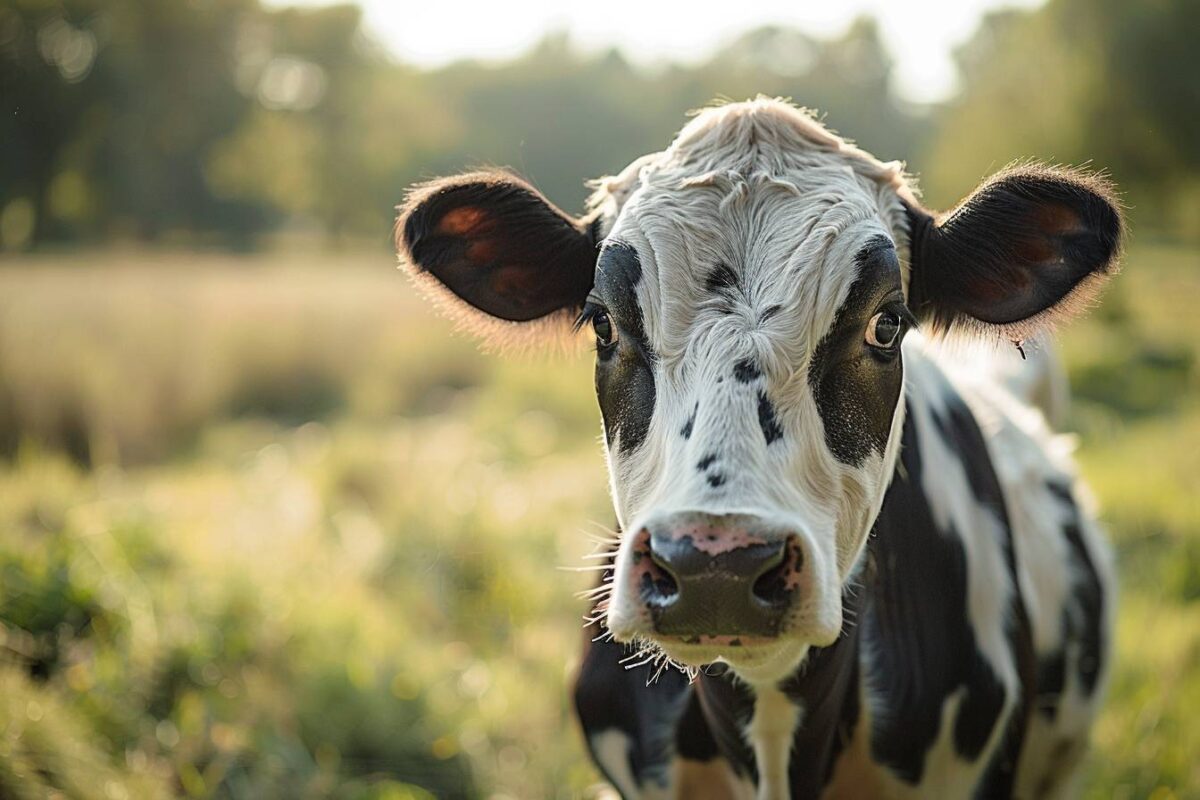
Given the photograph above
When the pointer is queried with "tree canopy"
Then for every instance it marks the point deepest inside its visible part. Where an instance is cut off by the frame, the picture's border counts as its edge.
(216, 122)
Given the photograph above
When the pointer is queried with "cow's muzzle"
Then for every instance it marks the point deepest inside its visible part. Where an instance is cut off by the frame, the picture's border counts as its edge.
(704, 577)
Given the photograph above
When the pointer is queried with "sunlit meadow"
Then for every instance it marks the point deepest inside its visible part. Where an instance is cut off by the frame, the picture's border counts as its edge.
(284, 534)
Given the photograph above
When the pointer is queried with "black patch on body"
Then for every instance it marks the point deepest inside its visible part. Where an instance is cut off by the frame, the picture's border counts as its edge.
(1084, 617)
(767, 420)
(693, 738)
(957, 427)
(608, 696)
(728, 707)
(826, 688)
(917, 622)
(624, 371)
(855, 390)
(1052, 678)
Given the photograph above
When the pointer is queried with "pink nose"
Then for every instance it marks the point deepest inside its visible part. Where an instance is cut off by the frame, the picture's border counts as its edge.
(701, 574)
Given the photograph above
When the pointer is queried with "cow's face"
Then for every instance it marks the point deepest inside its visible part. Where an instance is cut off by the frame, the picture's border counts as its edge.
(748, 320)
(749, 290)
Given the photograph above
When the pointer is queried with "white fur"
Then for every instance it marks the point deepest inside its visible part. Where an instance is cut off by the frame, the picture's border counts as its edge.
(770, 733)
(611, 747)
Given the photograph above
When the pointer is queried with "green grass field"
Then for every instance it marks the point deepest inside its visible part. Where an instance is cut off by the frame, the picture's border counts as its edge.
(268, 529)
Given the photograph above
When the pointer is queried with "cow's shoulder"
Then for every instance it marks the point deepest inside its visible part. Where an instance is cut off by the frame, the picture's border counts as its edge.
(1065, 574)
(946, 639)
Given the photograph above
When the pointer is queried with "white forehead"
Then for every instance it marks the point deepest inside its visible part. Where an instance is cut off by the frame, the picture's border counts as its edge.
(739, 146)
(764, 189)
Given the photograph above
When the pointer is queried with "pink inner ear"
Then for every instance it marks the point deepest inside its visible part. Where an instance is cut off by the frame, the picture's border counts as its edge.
(1048, 224)
(461, 221)
(514, 281)
(1039, 250)
(482, 251)
(1057, 220)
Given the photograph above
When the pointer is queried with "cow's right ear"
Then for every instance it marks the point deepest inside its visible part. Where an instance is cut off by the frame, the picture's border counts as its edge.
(496, 243)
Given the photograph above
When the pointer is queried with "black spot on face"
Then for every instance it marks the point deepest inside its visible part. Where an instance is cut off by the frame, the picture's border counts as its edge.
(686, 431)
(766, 419)
(746, 371)
(721, 278)
(706, 462)
(856, 387)
(716, 480)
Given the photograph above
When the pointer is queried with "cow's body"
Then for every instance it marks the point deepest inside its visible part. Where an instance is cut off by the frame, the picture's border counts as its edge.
(976, 648)
(877, 565)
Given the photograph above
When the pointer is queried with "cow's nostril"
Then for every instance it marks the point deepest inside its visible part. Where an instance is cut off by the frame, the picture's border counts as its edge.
(662, 581)
(771, 586)
(775, 586)
(657, 584)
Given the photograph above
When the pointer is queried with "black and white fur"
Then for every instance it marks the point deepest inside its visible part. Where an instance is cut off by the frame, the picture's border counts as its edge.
(952, 636)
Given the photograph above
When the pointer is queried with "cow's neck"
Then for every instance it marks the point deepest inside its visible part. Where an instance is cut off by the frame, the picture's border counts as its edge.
(822, 697)
(808, 715)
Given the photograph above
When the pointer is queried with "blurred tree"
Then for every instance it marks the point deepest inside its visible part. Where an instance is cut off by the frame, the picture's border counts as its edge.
(1102, 81)
(154, 118)
(110, 107)
(217, 120)
(560, 118)
(114, 113)
(294, 152)
(47, 53)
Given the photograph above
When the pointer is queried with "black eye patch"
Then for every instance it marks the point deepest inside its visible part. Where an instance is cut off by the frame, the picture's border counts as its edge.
(618, 273)
(856, 393)
(624, 374)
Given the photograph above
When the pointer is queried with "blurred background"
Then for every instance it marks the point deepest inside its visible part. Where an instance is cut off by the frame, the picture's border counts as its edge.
(268, 528)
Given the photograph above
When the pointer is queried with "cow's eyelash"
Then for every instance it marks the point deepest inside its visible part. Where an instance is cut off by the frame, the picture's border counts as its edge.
(898, 308)
(590, 310)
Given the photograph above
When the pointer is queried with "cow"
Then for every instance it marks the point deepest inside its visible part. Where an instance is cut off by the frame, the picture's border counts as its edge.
(872, 562)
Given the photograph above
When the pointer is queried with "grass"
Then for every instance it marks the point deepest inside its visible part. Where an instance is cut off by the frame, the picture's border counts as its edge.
(269, 529)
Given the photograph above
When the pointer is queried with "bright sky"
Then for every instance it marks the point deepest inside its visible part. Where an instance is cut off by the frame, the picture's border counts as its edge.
(920, 34)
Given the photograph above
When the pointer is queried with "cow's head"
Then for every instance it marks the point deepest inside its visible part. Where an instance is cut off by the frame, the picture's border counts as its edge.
(749, 289)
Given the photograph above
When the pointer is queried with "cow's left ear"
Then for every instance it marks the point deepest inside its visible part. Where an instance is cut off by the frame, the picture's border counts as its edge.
(1028, 246)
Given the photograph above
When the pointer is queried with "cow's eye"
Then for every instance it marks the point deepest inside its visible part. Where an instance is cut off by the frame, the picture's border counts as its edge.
(883, 331)
(606, 334)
